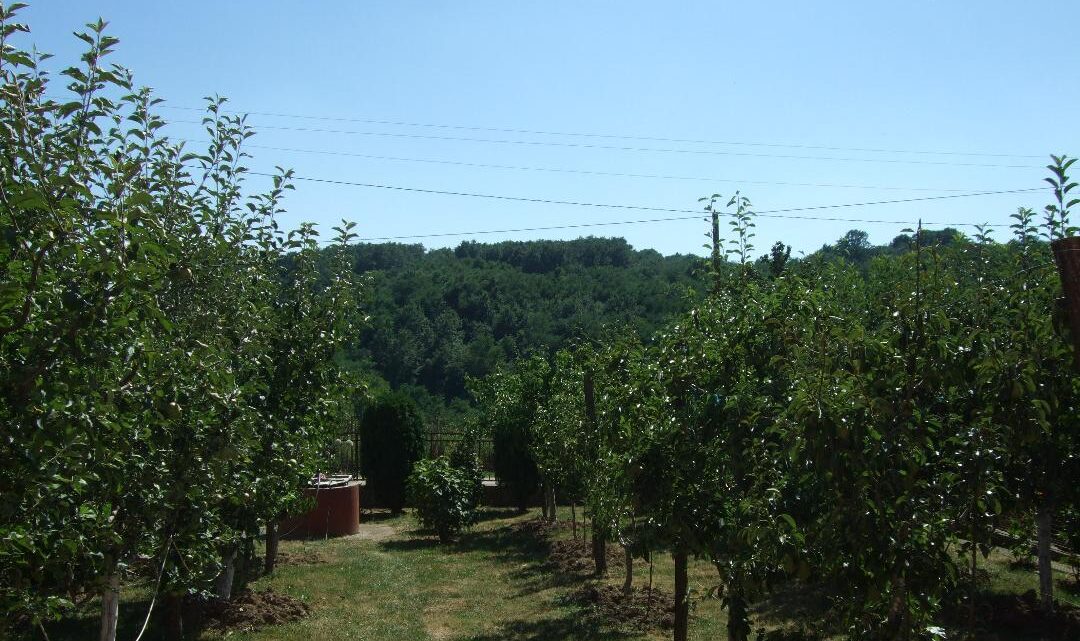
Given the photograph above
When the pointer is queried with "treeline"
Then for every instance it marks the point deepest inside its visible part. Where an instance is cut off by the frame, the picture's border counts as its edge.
(440, 317)
(857, 430)
(167, 373)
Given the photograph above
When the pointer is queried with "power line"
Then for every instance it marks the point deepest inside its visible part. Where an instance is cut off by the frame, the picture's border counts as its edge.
(788, 213)
(402, 123)
(587, 172)
(575, 145)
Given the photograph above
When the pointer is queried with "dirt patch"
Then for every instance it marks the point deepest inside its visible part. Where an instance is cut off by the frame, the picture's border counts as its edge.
(436, 617)
(641, 609)
(300, 557)
(1021, 613)
(373, 532)
(539, 528)
(574, 557)
(249, 611)
(438, 632)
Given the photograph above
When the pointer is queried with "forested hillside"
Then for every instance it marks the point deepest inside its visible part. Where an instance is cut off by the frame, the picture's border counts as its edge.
(440, 316)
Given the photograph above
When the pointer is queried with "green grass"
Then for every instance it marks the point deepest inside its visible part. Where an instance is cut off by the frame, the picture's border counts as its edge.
(491, 584)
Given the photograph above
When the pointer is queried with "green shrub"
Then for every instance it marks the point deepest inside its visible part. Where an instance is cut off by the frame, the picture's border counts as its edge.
(391, 441)
(443, 496)
(464, 457)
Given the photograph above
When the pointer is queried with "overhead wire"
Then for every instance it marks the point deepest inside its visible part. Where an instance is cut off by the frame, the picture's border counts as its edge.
(403, 123)
(587, 172)
(576, 145)
(785, 213)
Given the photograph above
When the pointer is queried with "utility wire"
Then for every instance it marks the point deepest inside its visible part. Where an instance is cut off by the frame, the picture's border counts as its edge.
(576, 145)
(587, 172)
(401, 123)
(788, 213)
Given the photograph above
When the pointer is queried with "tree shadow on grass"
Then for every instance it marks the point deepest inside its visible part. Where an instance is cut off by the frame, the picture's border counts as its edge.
(495, 513)
(418, 541)
(504, 541)
(540, 577)
(509, 544)
(85, 623)
(530, 553)
(376, 515)
(555, 628)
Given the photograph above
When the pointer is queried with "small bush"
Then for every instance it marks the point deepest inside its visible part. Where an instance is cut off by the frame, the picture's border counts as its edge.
(464, 457)
(443, 496)
(391, 441)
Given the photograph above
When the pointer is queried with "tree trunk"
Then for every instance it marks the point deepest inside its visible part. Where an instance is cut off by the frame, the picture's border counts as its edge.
(245, 564)
(972, 618)
(682, 596)
(110, 606)
(549, 498)
(738, 626)
(648, 599)
(599, 551)
(573, 518)
(898, 621)
(224, 584)
(1043, 523)
(628, 560)
(270, 560)
(544, 503)
(174, 616)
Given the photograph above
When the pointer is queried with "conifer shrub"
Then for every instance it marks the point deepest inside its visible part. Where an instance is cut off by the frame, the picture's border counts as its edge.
(515, 466)
(391, 441)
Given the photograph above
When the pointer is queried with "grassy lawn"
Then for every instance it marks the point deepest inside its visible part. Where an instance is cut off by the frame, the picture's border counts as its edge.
(492, 584)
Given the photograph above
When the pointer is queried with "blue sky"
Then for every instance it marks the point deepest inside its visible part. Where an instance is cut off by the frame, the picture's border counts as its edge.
(959, 77)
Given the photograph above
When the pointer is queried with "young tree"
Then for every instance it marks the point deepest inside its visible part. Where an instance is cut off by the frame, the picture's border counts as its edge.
(509, 400)
(136, 315)
(559, 428)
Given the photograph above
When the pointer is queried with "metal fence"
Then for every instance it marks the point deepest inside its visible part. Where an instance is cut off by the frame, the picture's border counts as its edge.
(344, 452)
(443, 442)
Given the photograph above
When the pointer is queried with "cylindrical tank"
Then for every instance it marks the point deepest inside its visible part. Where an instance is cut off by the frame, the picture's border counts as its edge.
(336, 513)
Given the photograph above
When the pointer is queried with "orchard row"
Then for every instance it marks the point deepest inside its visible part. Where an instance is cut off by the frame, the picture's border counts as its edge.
(864, 433)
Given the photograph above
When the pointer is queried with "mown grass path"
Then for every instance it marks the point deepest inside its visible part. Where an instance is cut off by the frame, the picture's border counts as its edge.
(491, 584)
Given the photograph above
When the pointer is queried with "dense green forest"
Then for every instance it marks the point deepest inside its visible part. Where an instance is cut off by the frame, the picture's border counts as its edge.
(438, 317)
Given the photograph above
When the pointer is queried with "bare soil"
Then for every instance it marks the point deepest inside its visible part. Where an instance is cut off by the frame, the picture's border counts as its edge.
(641, 609)
(540, 528)
(249, 611)
(300, 557)
(575, 557)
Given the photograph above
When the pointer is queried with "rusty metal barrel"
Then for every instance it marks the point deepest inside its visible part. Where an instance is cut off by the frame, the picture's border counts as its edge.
(336, 513)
